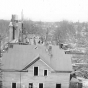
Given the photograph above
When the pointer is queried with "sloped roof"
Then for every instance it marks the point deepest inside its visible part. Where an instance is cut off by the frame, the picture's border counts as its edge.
(60, 60)
(21, 55)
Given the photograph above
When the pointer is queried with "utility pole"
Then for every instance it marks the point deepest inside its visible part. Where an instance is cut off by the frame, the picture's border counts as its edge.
(0, 63)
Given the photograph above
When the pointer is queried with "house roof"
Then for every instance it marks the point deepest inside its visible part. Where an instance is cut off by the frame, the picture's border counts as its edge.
(20, 56)
(60, 60)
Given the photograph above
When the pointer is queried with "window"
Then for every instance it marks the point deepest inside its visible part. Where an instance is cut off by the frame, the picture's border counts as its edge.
(30, 85)
(40, 85)
(13, 85)
(58, 85)
(45, 72)
(35, 71)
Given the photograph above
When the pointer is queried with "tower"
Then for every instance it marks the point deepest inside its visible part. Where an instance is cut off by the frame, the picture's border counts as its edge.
(21, 31)
(13, 29)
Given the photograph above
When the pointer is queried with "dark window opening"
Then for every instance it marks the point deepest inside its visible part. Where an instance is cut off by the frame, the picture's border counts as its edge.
(45, 72)
(13, 85)
(13, 32)
(35, 71)
(58, 85)
(40, 85)
(30, 85)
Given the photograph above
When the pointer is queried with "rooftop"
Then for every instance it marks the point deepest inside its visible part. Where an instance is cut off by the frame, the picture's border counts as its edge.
(20, 55)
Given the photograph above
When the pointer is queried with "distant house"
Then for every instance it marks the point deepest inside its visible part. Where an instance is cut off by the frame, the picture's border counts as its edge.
(35, 66)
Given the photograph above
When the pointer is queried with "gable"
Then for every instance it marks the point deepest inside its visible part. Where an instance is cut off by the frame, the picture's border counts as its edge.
(38, 62)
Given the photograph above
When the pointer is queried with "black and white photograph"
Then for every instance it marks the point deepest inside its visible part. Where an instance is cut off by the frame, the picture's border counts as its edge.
(43, 43)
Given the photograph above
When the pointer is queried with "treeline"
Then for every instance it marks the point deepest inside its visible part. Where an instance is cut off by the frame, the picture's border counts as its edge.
(4, 26)
(59, 32)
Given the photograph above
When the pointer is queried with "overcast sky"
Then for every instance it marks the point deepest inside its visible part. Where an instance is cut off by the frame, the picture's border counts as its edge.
(45, 10)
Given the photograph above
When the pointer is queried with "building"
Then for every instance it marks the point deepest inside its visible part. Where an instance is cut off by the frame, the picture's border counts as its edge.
(35, 66)
(25, 65)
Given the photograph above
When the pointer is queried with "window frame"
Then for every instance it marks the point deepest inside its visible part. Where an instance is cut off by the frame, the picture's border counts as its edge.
(58, 84)
(12, 83)
(41, 83)
(32, 85)
(33, 70)
(47, 72)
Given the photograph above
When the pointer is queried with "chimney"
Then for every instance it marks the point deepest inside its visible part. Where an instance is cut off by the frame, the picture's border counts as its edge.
(50, 51)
